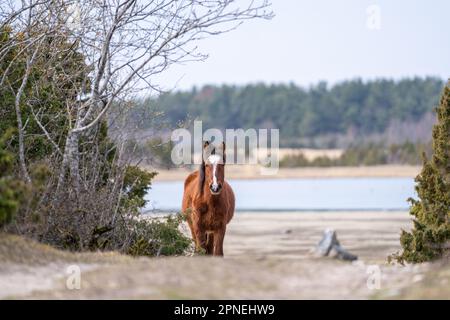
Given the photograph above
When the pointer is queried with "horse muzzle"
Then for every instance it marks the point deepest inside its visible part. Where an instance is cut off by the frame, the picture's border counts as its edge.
(215, 189)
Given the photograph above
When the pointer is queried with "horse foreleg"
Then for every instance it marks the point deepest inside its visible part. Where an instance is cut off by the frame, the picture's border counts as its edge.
(200, 240)
(210, 243)
(198, 235)
(218, 242)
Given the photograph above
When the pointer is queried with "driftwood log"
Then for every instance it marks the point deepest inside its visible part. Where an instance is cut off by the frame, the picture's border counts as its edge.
(330, 246)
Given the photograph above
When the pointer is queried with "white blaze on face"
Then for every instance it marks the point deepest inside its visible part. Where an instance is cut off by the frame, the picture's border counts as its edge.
(214, 159)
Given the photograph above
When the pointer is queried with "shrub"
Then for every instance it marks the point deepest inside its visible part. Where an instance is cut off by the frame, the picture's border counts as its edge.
(156, 236)
(99, 221)
(294, 160)
(93, 226)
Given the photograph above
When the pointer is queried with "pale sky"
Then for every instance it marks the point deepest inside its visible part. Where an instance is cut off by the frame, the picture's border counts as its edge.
(310, 41)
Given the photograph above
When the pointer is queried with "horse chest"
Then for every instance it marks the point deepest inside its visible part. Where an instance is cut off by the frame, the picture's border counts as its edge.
(210, 218)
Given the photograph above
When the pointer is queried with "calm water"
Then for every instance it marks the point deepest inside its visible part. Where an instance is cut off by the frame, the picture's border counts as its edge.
(300, 194)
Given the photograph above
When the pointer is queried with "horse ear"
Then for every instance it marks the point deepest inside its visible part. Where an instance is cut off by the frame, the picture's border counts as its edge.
(205, 151)
(223, 151)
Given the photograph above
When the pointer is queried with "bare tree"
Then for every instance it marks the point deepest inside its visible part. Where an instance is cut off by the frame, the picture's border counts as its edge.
(125, 44)
(128, 42)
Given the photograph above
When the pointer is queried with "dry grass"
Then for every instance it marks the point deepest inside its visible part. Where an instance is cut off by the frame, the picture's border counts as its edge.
(431, 285)
(19, 250)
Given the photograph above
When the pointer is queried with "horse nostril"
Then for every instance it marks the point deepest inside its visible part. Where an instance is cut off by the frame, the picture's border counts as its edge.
(215, 188)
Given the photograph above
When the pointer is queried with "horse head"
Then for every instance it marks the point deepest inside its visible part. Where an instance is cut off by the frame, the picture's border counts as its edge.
(214, 166)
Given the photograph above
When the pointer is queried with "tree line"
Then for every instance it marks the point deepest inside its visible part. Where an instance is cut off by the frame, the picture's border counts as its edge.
(305, 115)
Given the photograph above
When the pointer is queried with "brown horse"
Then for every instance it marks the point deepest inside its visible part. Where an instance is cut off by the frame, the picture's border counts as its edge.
(208, 201)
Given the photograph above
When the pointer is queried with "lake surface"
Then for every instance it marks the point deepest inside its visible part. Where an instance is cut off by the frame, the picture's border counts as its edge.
(300, 194)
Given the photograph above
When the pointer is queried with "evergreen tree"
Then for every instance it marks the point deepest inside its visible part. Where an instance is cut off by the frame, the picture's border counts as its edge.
(430, 237)
(10, 188)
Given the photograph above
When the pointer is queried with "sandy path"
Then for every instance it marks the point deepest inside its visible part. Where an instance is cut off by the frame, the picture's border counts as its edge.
(267, 256)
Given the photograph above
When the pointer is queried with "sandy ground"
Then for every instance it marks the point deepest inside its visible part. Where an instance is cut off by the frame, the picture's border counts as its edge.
(254, 172)
(370, 235)
(267, 255)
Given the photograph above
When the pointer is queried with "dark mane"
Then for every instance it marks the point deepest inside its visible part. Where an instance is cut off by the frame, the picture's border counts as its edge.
(201, 177)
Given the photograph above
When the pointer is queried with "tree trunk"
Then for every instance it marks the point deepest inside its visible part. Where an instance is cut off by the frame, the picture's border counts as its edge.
(23, 166)
(71, 159)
